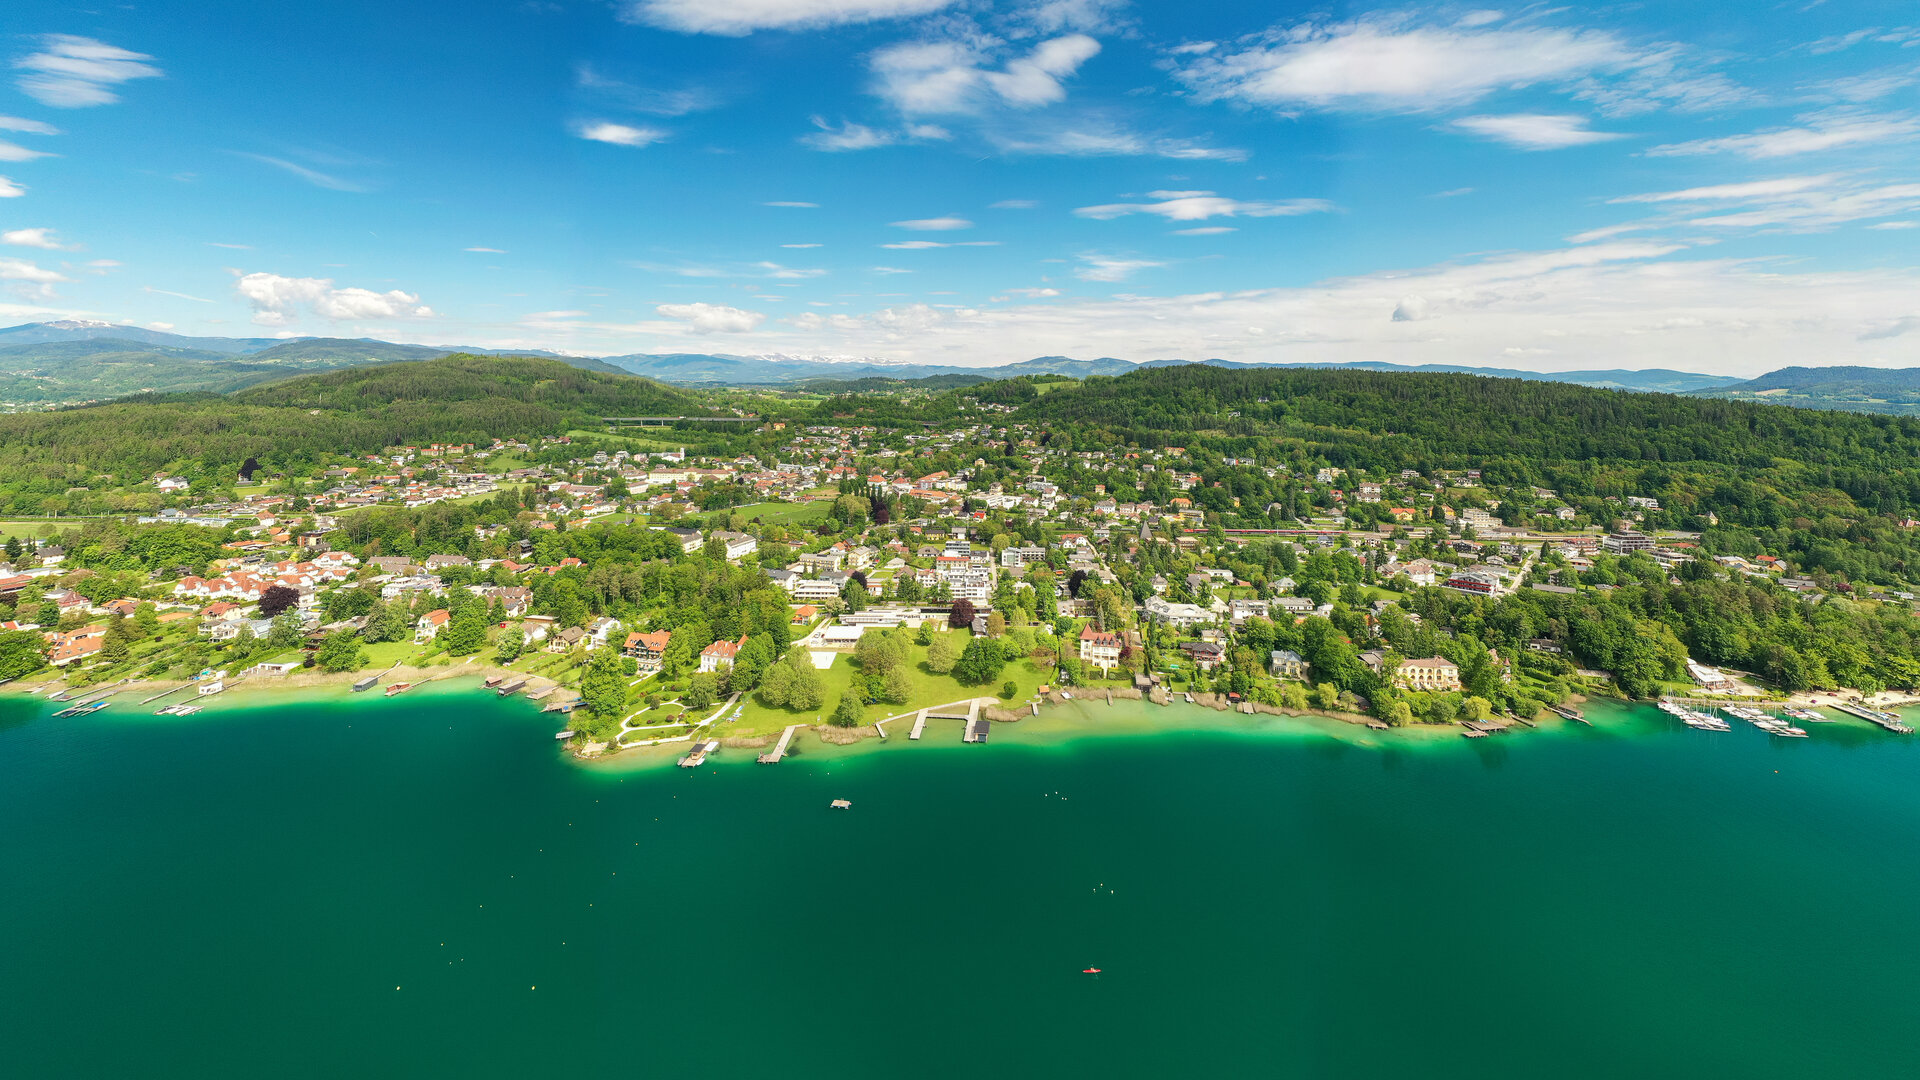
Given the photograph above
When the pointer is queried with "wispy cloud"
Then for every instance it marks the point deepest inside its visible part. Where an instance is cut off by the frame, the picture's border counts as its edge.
(736, 18)
(643, 99)
(962, 76)
(10, 188)
(42, 238)
(311, 176)
(15, 152)
(1814, 134)
(617, 134)
(175, 295)
(230, 247)
(485, 250)
(1201, 205)
(938, 224)
(1014, 204)
(794, 205)
(29, 127)
(1535, 131)
(72, 72)
(1096, 267)
(1394, 63)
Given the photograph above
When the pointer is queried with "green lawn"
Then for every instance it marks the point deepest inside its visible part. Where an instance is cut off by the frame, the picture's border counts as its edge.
(785, 513)
(928, 689)
(29, 529)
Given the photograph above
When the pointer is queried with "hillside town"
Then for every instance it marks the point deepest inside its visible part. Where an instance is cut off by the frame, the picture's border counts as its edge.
(1397, 597)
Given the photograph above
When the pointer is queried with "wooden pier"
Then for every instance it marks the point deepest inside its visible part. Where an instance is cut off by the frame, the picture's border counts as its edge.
(512, 688)
(773, 756)
(1890, 721)
(919, 725)
(1569, 713)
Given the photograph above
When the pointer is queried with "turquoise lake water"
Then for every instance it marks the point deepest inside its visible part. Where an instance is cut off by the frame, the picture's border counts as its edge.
(425, 886)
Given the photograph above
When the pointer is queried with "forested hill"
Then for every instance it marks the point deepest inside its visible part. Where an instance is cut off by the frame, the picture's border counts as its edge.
(459, 398)
(1529, 429)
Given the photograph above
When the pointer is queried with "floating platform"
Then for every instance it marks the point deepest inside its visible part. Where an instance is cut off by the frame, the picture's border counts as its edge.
(840, 804)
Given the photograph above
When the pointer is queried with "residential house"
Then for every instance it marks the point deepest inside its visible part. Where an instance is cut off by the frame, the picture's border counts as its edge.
(1287, 664)
(429, 626)
(1434, 673)
(1100, 647)
(648, 649)
(720, 654)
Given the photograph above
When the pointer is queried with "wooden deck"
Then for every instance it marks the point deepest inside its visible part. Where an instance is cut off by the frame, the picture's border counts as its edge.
(773, 756)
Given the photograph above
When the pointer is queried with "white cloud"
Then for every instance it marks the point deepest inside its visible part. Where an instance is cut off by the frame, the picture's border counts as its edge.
(1412, 309)
(939, 224)
(1034, 293)
(915, 245)
(1535, 131)
(9, 189)
(42, 238)
(889, 270)
(15, 152)
(484, 251)
(1206, 230)
(734, 18)
(1111, 268)
(713, 318)
(30, 127)
(848, 136)
(1893, 225)
(799, 245)
(22, 270)
(278, 300)
(1607, 232)
(1393, 64)
(618, 134)
(1014, 204)
(1452, 193)
(935, 77)
(1201, 205)
(1816, 134)
(546, 316)
(74, 72)
(230, 247)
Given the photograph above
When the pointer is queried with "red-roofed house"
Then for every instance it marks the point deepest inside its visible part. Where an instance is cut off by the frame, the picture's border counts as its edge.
(720, 654)
(1099, 647)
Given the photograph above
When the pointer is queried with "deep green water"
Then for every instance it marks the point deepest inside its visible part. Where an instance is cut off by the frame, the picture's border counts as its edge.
(423, 886)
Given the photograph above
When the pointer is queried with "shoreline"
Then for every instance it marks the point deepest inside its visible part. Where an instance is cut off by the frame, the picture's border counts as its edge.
(1054, 713)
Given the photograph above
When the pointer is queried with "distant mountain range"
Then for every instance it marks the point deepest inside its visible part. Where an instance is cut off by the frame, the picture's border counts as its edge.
(68, 361)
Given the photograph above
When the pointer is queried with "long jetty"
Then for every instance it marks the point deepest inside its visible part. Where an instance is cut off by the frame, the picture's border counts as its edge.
(773, 756)
(1890, 721)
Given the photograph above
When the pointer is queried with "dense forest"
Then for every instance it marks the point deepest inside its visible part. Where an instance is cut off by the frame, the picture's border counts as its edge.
(44, 457)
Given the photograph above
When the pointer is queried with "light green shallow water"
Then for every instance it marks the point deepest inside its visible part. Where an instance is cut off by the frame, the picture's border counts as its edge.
(240, 893)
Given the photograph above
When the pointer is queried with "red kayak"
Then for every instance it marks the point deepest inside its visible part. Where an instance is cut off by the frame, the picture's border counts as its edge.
(1089, 971)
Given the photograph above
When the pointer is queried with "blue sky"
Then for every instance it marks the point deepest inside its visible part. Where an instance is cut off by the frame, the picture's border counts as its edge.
(1706, 186)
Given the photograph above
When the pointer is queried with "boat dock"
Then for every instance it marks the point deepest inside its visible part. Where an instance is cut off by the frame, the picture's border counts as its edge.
(164, 693)
(976, 731)
(566, 706)
(773, 756)
(1569, 713)
(1890, 721)
(919, 725)
(512, 688)
(699, 755)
